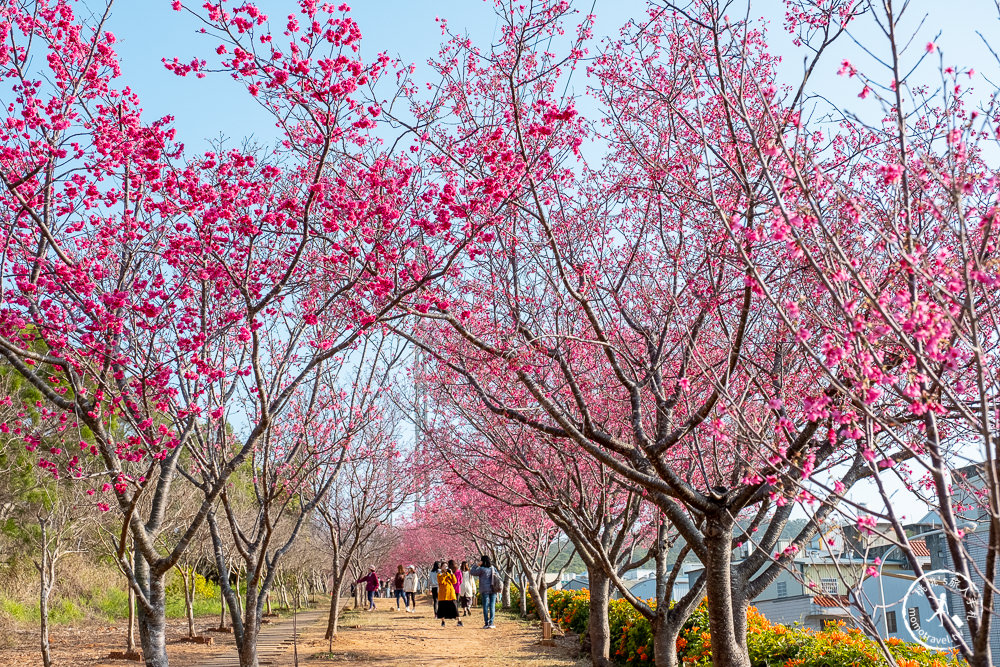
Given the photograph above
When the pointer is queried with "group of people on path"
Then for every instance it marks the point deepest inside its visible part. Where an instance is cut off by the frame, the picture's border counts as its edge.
(405, 586)
(456, 586)
(453, 589)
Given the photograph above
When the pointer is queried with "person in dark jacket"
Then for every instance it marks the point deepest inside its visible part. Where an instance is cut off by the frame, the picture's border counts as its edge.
(371, 583)
(397, 585)
(486, 573)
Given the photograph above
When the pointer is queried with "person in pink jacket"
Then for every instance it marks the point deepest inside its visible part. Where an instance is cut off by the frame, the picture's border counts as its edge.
(458, 577)
(371, 583)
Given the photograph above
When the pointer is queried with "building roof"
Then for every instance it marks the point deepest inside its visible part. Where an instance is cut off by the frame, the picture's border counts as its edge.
(832, 600)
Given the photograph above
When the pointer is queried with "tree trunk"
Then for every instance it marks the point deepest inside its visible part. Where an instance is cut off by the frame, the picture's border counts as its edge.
(43, 608)
(130, 630)
(333, 621)
(541, 604)
(222, 606)
(247, 642)
(599, 627)
(188, 596)
(236, 587)
(522, 598)
(665, 641)
(726, 606)
(505, 592)
(43, 595)
(152, 621)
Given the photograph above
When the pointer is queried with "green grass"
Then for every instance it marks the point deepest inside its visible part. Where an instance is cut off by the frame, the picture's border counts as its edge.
(202, 607)
(107, 604)
(110, 604)
(64, 611)
(60, 611)
(15, 611)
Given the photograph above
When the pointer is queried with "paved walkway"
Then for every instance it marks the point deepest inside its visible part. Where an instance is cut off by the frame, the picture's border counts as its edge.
(274, 643)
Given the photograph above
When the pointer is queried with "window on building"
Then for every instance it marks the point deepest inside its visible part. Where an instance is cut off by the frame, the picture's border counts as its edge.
(890, 622)
(782, 589)
(829, 586)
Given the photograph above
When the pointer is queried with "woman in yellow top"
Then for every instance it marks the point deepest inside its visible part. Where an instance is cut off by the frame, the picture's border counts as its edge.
(447, 607)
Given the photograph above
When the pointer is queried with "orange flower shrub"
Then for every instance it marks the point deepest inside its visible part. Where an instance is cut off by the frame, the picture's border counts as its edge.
(769, 644)
(835, 646)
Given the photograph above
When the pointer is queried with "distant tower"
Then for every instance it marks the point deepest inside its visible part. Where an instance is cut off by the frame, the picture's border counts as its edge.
(420, 445)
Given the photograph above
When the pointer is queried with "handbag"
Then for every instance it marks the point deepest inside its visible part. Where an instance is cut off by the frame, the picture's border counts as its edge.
(496, 584)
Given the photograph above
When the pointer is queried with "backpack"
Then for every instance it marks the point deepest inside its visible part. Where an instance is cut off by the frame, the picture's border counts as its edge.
(496, 584)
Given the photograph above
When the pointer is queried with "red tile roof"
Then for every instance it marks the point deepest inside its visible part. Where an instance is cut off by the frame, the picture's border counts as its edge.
(832, 600)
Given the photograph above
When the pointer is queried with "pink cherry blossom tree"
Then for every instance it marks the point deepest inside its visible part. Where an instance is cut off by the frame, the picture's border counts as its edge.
(372, 485)
(336, 418)
(612, 308)
(150, 294)
(891, 226)
(606, 518)
(521, 536)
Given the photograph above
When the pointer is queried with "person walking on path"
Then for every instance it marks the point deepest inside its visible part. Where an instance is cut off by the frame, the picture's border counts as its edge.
(410, 587)
(458, 578)
(487, 576)
(446, 606)
(397, 586)
(371, 585)
(466, 589)
(435, 571)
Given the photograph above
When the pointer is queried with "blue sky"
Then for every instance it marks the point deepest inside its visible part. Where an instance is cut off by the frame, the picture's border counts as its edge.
(149, 30)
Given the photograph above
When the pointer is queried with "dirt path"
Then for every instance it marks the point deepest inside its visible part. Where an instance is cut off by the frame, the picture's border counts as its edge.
(384, 637)
(388, 637)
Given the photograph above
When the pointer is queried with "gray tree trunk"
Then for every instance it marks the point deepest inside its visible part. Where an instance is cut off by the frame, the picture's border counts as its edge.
(334, 619)
(188, 596)
(45, 588)
(727, 606)
(222, 606)
(665, 642)
(130, 630)
(152, 621)
(599, 626)
(247, 642)
(541, 601)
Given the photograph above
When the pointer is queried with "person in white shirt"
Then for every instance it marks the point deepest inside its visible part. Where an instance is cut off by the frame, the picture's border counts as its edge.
(410, 588)
(467, 591)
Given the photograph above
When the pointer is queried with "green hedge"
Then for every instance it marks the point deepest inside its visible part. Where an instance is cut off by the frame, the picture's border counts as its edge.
(770, 644)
